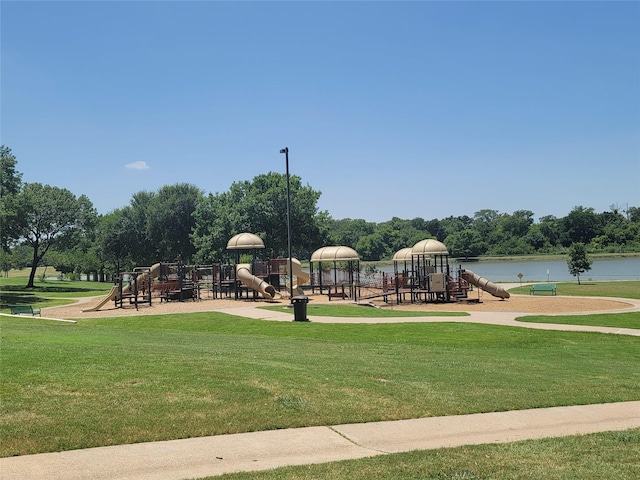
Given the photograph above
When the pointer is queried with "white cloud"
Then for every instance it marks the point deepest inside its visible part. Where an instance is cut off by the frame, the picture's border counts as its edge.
(138, 165)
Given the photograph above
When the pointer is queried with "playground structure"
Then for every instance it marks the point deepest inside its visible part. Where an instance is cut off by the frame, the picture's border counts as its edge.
(249, 276)
(162, 281)
(133, 286)
(253, 276)
(421, 274)
(180, 282)
(338, 272)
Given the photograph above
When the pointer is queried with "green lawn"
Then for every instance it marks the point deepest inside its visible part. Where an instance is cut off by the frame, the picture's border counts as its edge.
(620, 320)
(361, 311)
(123, 380)
(13, 291)
(621, 289)
(624, 289)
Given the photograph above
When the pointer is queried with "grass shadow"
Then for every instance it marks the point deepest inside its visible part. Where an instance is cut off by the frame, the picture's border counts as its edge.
(23, 299)
(44, 289)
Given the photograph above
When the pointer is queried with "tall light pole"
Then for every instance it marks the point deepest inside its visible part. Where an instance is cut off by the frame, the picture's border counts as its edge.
(286, 156)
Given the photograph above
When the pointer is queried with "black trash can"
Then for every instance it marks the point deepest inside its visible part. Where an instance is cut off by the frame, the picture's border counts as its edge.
(300, 308)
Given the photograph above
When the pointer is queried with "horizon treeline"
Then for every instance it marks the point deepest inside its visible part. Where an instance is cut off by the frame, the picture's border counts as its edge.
(47, 225)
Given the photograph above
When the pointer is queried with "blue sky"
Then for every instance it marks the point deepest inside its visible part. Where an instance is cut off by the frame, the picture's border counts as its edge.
(406, 109)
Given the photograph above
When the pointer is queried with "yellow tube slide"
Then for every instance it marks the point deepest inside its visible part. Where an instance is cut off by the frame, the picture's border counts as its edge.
(243, 273)
(485, 284)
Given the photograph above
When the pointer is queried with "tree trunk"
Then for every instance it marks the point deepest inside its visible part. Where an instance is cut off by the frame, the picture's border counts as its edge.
(34, 266)
(32, 275)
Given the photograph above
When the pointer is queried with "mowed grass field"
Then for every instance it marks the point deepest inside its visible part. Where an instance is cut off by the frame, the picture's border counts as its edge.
(620, 289)
(124, 380)
(50, 293)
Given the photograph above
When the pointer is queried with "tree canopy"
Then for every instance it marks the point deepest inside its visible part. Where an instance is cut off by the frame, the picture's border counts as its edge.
(260, 207)
(10, 184)
(180, 221)
(154, 227)
(50, 216)
(578, 261)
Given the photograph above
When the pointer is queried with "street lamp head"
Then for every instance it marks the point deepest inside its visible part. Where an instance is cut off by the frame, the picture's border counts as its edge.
(284, 150)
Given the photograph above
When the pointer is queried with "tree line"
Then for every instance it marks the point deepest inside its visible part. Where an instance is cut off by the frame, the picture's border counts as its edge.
(43, 224)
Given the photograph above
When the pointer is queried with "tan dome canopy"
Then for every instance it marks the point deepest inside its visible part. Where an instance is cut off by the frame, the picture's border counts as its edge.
(429, 247)
(334, 254)
(403, 254)
(245, 241)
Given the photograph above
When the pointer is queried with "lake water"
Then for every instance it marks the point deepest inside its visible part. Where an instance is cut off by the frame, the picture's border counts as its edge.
(627, 268)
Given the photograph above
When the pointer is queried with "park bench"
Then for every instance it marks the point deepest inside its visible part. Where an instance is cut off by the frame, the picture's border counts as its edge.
(543, 287)
(337, 293)
(24, 310)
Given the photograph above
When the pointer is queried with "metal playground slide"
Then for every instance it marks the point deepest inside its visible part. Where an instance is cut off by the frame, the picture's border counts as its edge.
(113, 294)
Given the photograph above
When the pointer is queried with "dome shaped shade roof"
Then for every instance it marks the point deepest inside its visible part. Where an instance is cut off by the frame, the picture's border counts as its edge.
(334, 254)
(245, 241)
(429, 247)
(403, 254)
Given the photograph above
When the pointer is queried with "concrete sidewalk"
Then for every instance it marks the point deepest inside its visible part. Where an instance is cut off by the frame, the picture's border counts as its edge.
(209, 456)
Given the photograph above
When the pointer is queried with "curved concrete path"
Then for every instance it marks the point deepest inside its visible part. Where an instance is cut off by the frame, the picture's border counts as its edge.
(210, 456)
(507, 319)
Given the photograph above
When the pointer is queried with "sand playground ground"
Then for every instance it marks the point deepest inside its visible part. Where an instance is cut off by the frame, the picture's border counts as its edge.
(519, 304)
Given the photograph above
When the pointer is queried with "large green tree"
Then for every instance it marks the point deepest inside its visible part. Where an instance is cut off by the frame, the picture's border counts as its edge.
(467, 243)
(373, 247)
(10, 183)
(260, 207)
(7, 262)
(455, 224)
(50, 216)
(170, 222)
(516, 224)
(398, 233)
(485, 222)
(115, 241)
(154, 227)
(550, 228)
(580, 226)
(348, 231)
